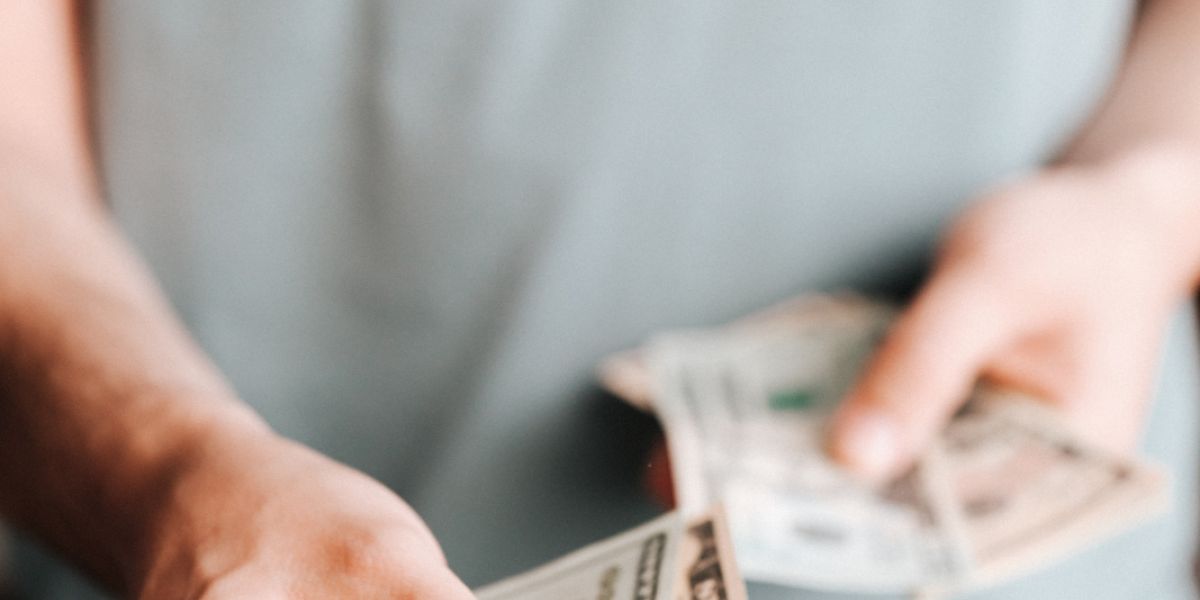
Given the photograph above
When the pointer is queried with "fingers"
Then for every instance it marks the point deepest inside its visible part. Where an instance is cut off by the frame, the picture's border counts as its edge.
(920, 374)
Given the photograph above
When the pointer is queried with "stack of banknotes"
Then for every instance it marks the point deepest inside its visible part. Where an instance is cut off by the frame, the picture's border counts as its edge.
(1003, 490)
(666, 559)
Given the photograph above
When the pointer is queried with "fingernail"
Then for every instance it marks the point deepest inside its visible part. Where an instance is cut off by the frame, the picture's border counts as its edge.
(869, 442)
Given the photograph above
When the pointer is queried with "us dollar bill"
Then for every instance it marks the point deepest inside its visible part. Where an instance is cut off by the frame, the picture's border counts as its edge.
(1004, 490)
(707, 569)
(797, 518)
(1027, 492)
(666, 559)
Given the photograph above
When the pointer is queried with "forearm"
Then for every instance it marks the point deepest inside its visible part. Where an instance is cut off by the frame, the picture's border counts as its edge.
(107, 409)
(42, 109)
(1144, 141)
(104, 399)
(1155, 102)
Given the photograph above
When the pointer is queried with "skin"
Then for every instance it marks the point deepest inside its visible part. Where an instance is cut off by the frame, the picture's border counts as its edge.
(120, 444)
(1060, 283)
(122, 447)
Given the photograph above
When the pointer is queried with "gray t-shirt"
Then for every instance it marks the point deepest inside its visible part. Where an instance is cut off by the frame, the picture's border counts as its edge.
(408, 230)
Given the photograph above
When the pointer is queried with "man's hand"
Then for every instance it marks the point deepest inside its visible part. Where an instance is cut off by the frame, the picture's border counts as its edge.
(121, 446)
(261, 517)
(1061, 285)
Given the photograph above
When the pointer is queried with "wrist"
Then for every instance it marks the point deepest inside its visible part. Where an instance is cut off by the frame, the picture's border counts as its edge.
(197, 464)
(1161, 184)
(1167, 170)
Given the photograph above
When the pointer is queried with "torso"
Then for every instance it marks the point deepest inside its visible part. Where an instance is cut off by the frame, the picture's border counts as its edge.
(408, 230)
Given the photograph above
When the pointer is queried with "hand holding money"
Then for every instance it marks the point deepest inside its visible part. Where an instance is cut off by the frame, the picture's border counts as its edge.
(1060, 284)
(1002, 489)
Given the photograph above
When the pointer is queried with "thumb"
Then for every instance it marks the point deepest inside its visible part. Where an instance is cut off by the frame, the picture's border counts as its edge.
(919, 375)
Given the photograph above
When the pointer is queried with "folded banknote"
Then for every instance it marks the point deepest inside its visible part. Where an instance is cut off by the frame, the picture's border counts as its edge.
(1005, 488)
(669, 558)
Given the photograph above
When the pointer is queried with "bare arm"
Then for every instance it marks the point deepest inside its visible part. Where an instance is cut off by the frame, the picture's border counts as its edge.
(120, 445)
(1156, 100)
(88, 350)
(41, 108)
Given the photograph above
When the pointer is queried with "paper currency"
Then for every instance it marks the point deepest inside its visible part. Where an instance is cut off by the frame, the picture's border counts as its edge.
(665, 559)
(739, 435)
(1005, 489)
(628, 375)
(1027, 492)
(707, 569)
(636, 565)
